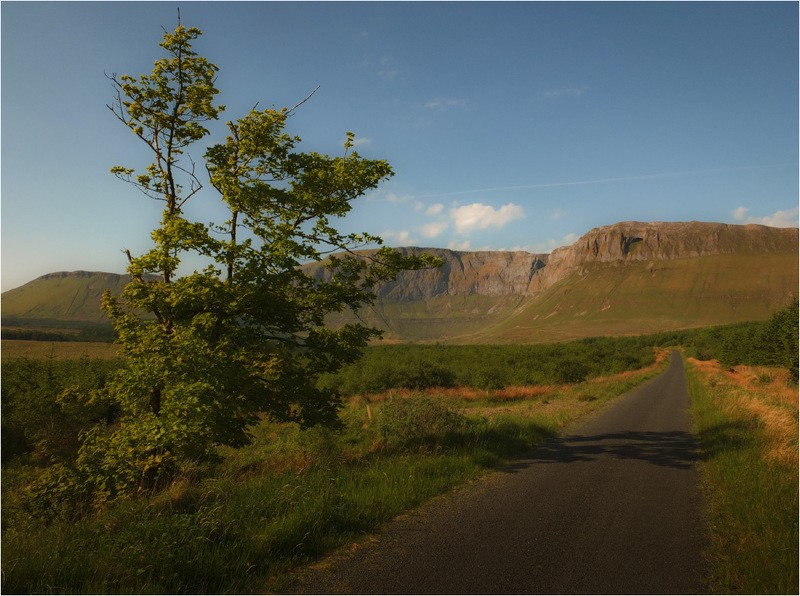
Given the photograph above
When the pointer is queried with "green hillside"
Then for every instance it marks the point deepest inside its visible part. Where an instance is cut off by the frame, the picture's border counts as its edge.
(641, 297)
(73, 296)
(619, 298)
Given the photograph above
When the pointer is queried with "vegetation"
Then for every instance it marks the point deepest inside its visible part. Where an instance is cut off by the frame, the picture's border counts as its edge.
(207, 354)
(292, 494)
(490, 367)
(747, 426)
(765, 343)
(311, 490)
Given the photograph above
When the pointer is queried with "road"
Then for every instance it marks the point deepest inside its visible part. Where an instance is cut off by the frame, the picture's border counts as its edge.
(612, 507)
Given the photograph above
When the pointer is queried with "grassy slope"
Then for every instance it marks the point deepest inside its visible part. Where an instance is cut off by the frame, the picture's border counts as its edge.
(603, 299)
(56, 298)
(636, 297)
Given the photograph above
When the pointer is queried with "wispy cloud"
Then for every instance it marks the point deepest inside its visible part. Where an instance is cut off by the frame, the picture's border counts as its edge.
(597, 181)
(459, 245)
(565, 92)
(387, 70)
(780, 219)
(433, 229)
(478, 216)
(443, 104)
(552, 244)
(398, 237)
(434, 209)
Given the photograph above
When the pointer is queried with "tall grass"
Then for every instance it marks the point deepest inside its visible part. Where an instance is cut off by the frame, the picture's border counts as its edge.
(290, 496)
(750, 475)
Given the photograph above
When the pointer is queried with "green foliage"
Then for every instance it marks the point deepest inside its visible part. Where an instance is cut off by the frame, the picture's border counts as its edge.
(245, 336)
(41, 416)
(489, 367)
(767, 343)
(282, 501)
(419, 420)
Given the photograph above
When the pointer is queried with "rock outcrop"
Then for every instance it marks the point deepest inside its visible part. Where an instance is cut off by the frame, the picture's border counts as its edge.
(506, 273)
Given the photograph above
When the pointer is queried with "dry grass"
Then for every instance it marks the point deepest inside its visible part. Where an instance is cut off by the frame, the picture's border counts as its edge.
(766, 393)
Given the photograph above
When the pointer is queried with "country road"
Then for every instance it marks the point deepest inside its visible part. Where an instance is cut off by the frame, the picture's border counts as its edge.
(611, 507)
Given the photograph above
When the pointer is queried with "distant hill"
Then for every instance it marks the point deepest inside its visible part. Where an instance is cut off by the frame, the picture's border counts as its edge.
(626, 278)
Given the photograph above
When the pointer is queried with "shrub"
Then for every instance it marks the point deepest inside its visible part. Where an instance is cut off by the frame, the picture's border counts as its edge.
(419, 420)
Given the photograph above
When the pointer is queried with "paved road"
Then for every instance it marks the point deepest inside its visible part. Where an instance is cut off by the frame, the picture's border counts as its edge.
(613, 507)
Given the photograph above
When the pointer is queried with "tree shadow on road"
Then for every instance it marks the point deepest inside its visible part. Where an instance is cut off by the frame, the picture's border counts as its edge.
(675, 449)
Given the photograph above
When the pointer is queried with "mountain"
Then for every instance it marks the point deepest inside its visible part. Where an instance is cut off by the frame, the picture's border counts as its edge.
(630, 277)
(626, 278)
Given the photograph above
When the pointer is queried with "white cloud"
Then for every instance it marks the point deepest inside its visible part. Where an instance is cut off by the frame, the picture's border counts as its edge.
(433, 229)
(442, 104)
(434, 209)
(459, 245)
(398, 237)
(556, 214)
(362, 142)
(478, 216)
(552, 244)
(740, 213)
(395, 198)
(780, 219)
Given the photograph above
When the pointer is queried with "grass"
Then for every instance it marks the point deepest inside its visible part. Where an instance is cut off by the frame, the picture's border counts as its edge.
(292, 495)
(746, 420)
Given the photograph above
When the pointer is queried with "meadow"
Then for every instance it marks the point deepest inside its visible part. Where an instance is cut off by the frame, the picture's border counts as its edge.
(416, 422)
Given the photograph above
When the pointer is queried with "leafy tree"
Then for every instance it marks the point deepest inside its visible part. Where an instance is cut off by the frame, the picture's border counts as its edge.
(245, 336)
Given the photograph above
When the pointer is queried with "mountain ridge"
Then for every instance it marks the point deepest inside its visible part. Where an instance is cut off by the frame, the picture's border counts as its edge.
(666, 274)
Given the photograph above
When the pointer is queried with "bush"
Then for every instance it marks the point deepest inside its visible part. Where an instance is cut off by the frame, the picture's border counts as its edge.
(570, 371)
(418, 421)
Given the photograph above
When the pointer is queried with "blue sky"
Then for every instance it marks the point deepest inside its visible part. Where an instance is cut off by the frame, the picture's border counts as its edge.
(509, 125)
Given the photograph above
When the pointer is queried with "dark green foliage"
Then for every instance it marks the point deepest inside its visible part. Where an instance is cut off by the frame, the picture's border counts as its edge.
(490, 367)
(51, 330)
(764, 343)
(40, 416)
(419, 420)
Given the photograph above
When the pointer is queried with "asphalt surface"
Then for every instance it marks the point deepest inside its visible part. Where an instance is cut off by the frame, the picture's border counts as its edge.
(613, 507)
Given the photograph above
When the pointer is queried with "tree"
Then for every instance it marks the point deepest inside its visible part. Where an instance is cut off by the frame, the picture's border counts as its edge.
(246, 335)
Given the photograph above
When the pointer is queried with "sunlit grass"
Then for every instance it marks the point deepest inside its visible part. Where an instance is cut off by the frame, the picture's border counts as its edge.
(746, 420)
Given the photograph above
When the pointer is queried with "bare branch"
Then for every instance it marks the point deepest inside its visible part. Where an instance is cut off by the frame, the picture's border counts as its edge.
(292, 109)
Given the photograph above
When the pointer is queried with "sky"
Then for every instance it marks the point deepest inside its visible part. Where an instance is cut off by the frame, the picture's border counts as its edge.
(509, 126)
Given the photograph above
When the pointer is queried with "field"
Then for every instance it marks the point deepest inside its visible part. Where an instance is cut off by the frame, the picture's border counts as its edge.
(60, 350)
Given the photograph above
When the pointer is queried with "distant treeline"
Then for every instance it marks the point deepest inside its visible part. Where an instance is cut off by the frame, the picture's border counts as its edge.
(764, 343)
(54, 330)
(490, 366)
(767, 343)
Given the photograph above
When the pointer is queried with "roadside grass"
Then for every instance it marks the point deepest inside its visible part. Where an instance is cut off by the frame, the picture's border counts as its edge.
(293, 495)
(746, 419)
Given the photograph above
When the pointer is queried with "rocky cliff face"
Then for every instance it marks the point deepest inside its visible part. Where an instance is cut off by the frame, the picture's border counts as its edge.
(662, 241)
(466, 274)
(519, 273)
